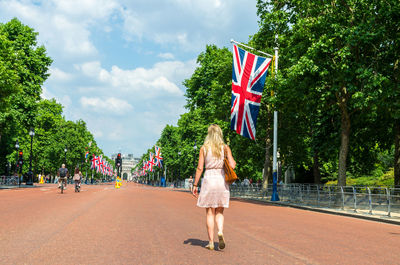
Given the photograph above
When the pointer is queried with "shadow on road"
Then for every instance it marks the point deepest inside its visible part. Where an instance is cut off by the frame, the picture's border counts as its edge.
(195, 242)
(254, 201)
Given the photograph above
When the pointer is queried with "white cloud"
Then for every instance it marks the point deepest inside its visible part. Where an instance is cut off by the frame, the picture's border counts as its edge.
(97, 133)
(133, 25)
(107, 29)
(64, 25)
(185, 24)
(90, 9)
(59, 75)
(167, 56)
(147, 83)
(119, 64)
(91, 69)
(65, 100)
(46, 94)
(113, 105)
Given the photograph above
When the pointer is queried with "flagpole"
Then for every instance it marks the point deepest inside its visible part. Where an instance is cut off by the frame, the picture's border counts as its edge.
(267, 54)
(275, 196)
(165, 175)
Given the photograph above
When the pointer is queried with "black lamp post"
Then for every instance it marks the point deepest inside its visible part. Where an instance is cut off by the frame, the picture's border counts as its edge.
(16, 160)
(30, 173)
(65, 158)
(179, 166)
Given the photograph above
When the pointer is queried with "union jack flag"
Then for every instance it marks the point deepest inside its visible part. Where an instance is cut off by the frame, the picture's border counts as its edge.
(248, 78)
(158, 157)
(144, 166)
(151, 163)
(94, 162)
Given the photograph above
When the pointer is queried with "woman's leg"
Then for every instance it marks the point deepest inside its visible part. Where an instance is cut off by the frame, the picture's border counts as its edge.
(219, 219)
(210, 212)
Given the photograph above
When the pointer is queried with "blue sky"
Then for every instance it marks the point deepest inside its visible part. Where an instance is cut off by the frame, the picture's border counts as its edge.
(119, 65)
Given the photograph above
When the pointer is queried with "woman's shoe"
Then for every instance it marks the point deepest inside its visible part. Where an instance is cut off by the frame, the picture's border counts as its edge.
(210, 246)
(221, 241)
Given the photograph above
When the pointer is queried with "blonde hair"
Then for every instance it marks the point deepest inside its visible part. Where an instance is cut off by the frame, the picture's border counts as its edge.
(214, 140)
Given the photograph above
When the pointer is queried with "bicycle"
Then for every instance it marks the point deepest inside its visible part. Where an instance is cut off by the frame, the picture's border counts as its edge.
(62, 185)
(77, 186)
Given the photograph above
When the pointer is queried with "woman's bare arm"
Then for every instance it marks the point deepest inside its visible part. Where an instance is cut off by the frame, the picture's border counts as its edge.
(200, 165)
(231, 161)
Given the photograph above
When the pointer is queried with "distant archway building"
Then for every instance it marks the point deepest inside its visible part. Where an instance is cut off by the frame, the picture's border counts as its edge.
(128, 162)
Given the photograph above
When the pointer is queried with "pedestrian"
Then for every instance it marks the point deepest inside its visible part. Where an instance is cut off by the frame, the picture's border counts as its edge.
(63, 175)
(246, 182)
(77, 176)
(190, 181)
(214, 195)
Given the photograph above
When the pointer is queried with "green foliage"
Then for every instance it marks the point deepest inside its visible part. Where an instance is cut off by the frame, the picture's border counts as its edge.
(331, 76)
(208, 101)
(377, 179)
(338, 79)
(23, 70)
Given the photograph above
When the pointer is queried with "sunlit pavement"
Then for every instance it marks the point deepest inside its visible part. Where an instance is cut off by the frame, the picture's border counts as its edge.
(144, 225)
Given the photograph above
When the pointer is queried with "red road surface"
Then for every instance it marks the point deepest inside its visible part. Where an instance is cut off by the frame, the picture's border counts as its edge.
(144, 225)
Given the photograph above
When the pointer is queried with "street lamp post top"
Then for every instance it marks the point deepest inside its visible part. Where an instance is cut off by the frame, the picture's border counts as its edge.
(65, 149)
(32, 132)
(179, 153)
(17, 144)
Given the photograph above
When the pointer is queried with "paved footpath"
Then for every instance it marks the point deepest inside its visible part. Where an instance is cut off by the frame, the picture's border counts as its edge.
(144, 225)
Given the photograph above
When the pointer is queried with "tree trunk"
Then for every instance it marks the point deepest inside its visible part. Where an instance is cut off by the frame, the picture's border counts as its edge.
(397, 152)
(267, 174)
(316, 170)
(344, 137)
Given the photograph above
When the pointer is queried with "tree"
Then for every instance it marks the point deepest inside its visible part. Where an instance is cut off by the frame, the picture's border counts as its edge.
(330, 47)
(24, 65)
(9, 79)
(389, 65)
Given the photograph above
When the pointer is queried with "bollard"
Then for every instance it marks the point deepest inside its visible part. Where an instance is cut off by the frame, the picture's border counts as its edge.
(341, 188)
(329, 196)
(369, 200)
(355, 199)
(301, 195)
(388, 201)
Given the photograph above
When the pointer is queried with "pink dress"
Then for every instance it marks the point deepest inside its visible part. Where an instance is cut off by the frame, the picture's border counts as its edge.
(214, 191)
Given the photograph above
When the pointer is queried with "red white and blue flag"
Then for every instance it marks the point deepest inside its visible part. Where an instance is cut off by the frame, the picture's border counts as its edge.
(94, 162)
(158, 158)
(99, 164)
(248, 78)
(151, 163)
(86, 155)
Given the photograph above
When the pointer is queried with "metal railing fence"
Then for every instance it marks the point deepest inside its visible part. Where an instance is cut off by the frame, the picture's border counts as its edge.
(9, 180)
(371, 200)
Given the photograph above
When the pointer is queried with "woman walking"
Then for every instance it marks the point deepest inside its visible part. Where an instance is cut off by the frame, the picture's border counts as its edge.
(214, 195)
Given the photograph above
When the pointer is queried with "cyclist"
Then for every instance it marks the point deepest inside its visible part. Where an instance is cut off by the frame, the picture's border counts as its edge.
(63, 174)
(77, 176)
